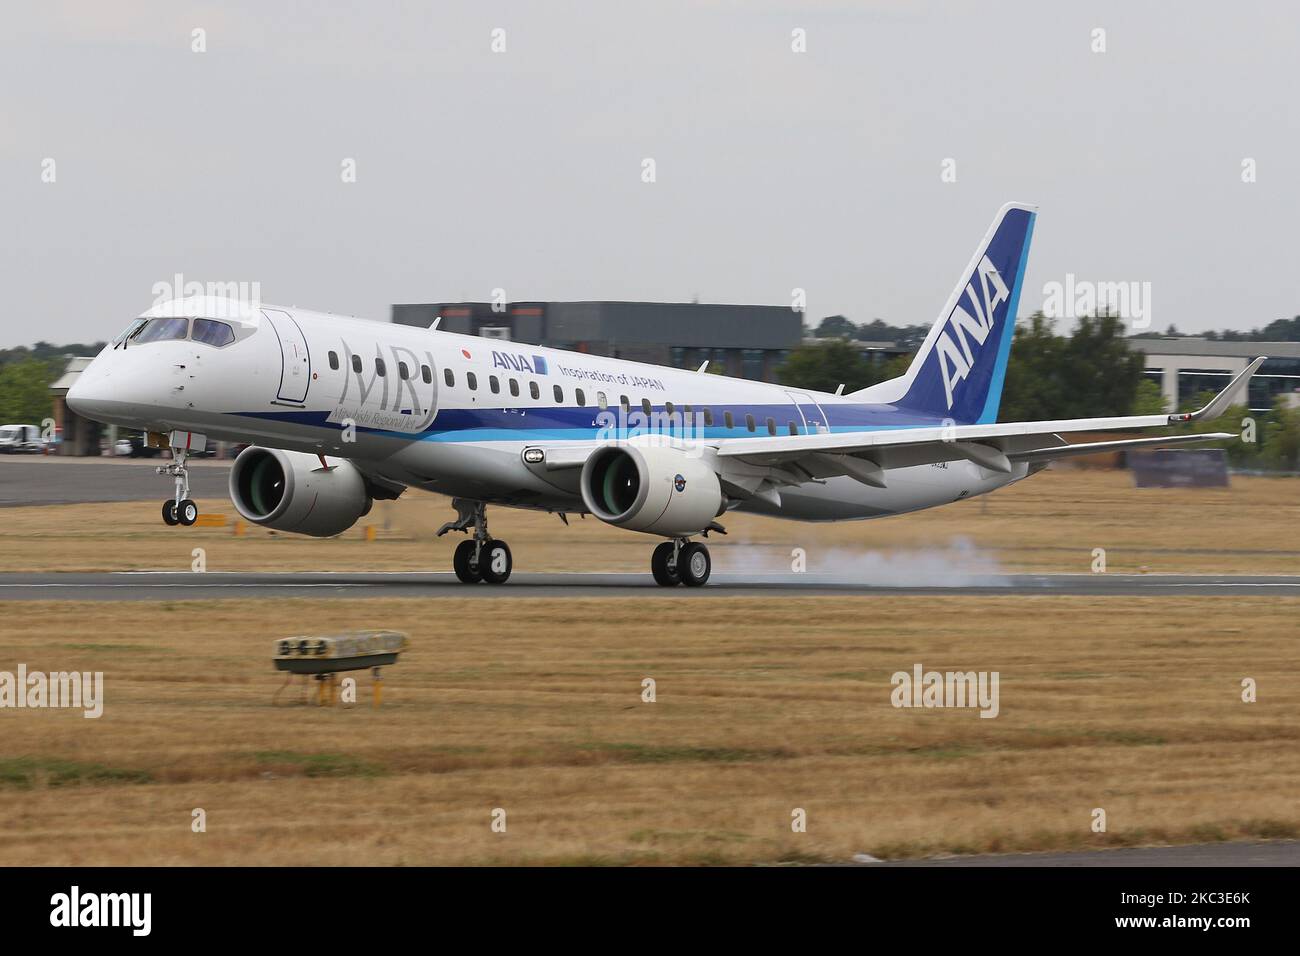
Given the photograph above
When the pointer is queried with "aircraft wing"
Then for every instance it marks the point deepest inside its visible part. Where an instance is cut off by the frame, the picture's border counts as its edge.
(865, 455)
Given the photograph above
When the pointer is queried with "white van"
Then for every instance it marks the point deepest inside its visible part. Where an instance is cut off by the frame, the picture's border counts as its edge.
(17, 438)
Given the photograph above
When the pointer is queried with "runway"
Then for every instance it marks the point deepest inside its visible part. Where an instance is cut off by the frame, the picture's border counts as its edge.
(57, 480)
(186, 585)
(1272, 853)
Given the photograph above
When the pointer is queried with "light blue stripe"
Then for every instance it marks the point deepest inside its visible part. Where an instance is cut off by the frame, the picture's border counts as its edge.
(994, 398)
(532, 436)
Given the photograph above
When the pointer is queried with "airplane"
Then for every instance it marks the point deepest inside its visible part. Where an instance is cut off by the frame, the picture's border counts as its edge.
(340, 412)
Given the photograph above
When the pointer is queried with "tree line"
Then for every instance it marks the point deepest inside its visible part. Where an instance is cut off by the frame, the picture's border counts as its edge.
(26, 374)
(1279, 330)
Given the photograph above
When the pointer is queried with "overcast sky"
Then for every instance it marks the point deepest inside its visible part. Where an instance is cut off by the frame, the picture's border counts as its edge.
(522, 170)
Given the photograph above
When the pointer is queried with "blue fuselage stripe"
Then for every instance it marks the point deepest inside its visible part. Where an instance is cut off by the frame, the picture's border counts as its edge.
(570, 423)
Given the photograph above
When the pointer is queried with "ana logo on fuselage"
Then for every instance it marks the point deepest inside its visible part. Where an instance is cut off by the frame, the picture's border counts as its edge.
(535, 365)
(954, 352)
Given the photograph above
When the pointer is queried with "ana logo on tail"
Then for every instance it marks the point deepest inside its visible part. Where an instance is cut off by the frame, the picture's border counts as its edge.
(955, 362)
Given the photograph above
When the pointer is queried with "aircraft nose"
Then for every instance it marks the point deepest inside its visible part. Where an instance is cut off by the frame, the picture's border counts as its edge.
(88, 396)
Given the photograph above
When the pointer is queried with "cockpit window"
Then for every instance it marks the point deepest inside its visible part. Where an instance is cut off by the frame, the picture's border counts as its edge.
(135, 326)
(160, 330)
(212, 332)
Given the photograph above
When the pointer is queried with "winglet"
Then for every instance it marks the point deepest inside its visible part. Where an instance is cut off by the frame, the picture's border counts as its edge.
(1220, 403)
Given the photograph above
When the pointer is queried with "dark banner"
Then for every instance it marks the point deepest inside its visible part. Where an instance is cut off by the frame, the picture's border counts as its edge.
(1179, 468)
(379, 908)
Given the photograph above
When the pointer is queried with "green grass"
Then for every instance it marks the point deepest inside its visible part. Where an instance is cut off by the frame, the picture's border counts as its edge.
(112, 647)
(320, 764)
(29, 772)
(689, 836)
(645, 753)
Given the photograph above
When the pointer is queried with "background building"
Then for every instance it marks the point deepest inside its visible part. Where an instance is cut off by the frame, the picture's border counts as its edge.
(876, 352)
(748, 341)
(77, 435)
(1186, 366)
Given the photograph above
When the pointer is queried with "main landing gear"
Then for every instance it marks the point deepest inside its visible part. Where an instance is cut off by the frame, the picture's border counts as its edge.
(181, 508)
(481, 558)
(681, 562)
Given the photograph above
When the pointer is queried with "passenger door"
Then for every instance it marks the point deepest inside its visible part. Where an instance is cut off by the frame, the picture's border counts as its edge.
(814, 419)
(295, 368)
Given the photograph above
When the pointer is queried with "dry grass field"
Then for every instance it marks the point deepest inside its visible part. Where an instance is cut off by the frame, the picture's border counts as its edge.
(763, 705)
(1051, 522)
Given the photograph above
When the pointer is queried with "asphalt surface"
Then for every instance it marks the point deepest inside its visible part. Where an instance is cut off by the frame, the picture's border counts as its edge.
(186, 585)
(42, 480)
(1273, 853)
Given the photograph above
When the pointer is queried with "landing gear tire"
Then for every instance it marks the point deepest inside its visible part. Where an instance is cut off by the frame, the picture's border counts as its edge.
(694, 565)
(662, 567)
(180, 509)
(465, 565)
(495, 562)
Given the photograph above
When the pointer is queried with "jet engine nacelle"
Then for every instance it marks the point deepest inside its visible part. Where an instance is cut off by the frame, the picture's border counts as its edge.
(291, 491)
(656, 489)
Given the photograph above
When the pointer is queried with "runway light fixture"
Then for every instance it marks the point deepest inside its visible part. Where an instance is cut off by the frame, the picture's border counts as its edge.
(324, 657)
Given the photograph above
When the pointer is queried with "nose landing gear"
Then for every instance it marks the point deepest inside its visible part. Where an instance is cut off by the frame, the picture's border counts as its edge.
(481, 558)
(681, 562)
(180, 509)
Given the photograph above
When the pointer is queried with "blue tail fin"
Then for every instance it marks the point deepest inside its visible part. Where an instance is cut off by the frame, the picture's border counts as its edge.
(959, 370)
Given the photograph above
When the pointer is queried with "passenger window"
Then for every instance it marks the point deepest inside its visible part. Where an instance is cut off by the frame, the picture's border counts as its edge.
(472, 381)
(403, 370)
(602, 401)
(645, 406)
(668, 407)
(794, 429)
(578, 394)
(216, 334)
(726, 417)
(514, 387)
(771, 426)
(426, 374)
(534, 391)
(449, 377)
(708, 416)
(559, 394)
(380, 368)
(494, 383)
(627, 406)
(749, 421)
(356, 364)
(334, 361)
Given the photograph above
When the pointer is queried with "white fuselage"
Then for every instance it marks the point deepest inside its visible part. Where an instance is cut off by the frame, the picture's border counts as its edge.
(453, 413)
